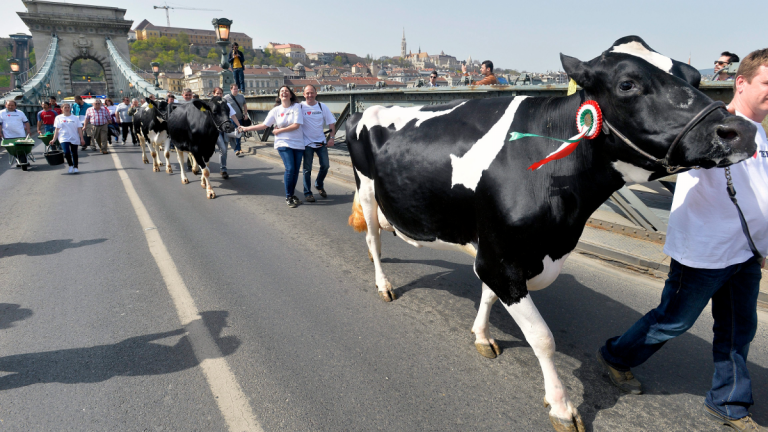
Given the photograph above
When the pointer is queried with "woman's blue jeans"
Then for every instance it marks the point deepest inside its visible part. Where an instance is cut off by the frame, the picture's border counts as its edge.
(292, 161)
(733, 291)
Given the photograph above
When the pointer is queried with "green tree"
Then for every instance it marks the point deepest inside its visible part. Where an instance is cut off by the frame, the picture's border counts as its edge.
(183, 40)
(213, 55)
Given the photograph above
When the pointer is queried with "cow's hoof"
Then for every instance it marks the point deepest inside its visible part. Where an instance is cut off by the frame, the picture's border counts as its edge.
(156, 168)
(573, 424)
(169, 170)
(211, 195)
(184, 181)
(146, 161)
(388, 294)
(490, 351)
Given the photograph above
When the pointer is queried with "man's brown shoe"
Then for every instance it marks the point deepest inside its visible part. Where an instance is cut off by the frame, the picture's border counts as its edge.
(743, 424)
(625, 381)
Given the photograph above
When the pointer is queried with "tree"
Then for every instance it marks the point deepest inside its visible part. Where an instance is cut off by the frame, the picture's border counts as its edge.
(212, 54)
(183, 40)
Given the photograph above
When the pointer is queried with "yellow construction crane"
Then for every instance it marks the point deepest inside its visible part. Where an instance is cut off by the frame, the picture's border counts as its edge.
(167, 16)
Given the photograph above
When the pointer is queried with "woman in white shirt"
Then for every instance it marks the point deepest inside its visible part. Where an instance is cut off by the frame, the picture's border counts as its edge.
(69, 132)
(289, 139)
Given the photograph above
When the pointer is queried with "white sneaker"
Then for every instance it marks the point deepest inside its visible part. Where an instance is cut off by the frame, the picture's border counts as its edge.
(75, 171)
(70, 169)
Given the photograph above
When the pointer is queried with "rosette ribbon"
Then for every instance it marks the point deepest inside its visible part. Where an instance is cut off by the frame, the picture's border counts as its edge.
(589, 122)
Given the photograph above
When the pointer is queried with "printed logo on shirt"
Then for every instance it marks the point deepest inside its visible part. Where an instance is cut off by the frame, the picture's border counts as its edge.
(763, 153)
(282, 114)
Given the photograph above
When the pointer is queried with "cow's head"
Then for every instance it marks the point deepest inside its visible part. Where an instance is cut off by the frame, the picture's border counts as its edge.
(159, 110)
(219, 113)
(650, 98)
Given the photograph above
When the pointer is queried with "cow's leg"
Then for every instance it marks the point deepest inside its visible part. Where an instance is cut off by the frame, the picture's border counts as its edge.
(205, 180)
(153, 152)
(563, 415)
(486, 346)
(182, 157)
(195, 166)
(367, 200)
(167, 154)
(143, 144)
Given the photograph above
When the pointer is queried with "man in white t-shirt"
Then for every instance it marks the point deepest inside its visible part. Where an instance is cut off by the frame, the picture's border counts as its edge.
(315, 115)
(13, 123)
(712, 260)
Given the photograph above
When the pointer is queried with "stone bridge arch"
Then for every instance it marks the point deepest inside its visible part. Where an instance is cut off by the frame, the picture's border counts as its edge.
(82, 31)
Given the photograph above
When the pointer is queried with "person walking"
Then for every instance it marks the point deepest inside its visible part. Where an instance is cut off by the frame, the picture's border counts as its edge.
(225, 140)
(13, 123)
(125, 120)
(79, 109)
(54, 105)
(111, 130)
(289, 139)
(315, 115)
(45, 119)
(187, 96)
(69, 133)
(237, 101)
(237, 60)
(712, 260)
(97, 119)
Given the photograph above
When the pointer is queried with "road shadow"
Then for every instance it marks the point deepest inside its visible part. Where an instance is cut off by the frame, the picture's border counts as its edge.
(136, 356)
(10, 313)
(581, 320)
(49, 247)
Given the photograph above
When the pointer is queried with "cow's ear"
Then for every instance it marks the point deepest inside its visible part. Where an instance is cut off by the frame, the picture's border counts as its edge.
(200, 105)
(577, 70)
(687, 72)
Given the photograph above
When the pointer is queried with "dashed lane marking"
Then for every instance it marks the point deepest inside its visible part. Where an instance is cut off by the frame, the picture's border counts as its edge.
(232, 402)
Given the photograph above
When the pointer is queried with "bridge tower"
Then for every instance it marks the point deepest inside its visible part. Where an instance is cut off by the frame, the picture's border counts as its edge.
(82, 31)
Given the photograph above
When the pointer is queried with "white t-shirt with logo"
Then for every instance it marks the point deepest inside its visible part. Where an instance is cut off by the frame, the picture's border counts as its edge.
(13, 123)
(315, 118)
(282, 118)
(704, 228)
(67, 126)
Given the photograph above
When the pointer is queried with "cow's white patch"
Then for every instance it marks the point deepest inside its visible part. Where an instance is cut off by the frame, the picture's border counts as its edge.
(468, 169)
(438, 244)
(638, 50)
(548, 275)
(631, 173)
(397, 116)
(686, 104)
(158, 138)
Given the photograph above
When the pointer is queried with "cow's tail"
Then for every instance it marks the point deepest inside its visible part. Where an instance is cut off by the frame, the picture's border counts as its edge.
(357, 219)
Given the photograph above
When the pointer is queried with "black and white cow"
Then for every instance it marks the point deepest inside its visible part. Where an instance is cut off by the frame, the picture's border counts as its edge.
(194, 127)
(150, 125)
(448, 177)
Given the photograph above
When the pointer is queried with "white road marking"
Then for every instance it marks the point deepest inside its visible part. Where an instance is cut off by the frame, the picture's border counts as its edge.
(232, 402)
(468, 169)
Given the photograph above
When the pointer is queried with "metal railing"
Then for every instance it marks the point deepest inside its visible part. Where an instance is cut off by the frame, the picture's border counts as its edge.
(124, 73)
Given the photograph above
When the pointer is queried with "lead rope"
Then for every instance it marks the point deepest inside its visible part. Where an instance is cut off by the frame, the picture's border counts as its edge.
(744, 227)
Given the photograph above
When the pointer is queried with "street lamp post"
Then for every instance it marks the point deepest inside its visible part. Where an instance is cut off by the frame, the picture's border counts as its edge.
(156, 72)
(15, 69)
(130, 89)
(221, 26)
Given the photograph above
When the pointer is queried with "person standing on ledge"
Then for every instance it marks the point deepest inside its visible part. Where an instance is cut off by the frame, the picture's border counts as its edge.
(487, 70)
(712, 259)
(237, 60)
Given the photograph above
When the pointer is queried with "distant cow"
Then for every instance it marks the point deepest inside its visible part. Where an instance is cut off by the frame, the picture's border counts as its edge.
(448, 177)
(150, 124)
(194, 127)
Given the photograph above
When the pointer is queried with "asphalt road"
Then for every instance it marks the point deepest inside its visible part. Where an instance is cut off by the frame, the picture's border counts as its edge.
(90, 339)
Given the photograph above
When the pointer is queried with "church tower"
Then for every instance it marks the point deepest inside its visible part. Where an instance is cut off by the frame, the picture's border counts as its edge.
(402, 45)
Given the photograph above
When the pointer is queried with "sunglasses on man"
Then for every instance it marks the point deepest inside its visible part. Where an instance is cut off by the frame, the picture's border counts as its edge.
(721, 63)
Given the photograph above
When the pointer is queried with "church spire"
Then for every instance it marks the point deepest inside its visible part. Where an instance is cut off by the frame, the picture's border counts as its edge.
(403, 45)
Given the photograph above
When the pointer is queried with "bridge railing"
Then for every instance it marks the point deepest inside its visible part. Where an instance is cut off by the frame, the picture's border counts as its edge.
(124, 72)
(44, 72)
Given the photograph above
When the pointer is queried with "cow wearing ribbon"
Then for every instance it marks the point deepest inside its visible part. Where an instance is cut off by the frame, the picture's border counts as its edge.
(483, 176)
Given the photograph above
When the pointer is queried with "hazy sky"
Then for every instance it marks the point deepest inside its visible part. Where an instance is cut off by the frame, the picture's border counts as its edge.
(520, 35)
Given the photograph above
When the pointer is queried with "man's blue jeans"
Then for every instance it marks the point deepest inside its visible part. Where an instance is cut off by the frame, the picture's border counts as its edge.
(239, 77)
(733, 291)
(292, 161)
(322, 156)
(222, 143)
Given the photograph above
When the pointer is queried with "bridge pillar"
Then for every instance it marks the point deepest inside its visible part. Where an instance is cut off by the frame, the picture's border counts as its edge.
(82, 31)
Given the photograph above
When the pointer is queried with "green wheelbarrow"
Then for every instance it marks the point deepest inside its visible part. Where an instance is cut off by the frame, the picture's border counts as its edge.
(20, 150)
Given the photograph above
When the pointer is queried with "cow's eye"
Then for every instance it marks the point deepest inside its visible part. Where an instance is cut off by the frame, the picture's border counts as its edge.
(626, 86)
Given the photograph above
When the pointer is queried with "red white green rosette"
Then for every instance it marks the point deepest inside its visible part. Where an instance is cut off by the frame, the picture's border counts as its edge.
(589, 123)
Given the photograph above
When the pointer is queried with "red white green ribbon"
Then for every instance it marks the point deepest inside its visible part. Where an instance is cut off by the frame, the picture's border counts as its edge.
(589, 122)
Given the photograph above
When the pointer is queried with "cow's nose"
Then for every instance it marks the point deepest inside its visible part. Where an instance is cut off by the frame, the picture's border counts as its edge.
(727, 133)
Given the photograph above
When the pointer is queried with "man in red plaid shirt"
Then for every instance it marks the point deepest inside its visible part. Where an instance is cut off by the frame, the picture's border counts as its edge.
(98, 118)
